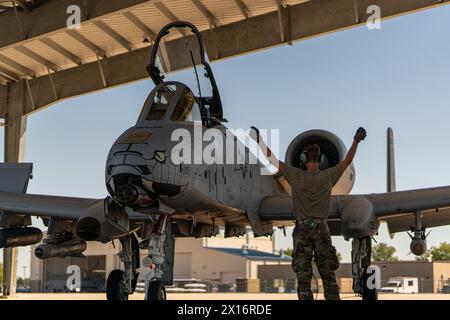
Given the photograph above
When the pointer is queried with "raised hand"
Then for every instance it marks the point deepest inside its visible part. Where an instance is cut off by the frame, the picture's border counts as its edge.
(360, 135)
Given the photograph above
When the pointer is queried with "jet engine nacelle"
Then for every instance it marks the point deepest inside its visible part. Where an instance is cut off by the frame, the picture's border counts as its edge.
(358, 219)
(333, 151)
(418, 246)
(102, 221)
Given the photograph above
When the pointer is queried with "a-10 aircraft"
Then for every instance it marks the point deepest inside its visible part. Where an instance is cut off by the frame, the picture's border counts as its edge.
(153, 200)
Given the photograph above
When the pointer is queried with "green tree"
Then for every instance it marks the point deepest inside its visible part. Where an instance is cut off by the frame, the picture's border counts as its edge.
(339, 256)
(383, 252)
(425, 256)
(288, 252)
(1, 273)
(440, 253)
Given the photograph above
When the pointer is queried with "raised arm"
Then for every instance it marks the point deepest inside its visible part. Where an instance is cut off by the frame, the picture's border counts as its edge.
(359, 136)
(254, 134)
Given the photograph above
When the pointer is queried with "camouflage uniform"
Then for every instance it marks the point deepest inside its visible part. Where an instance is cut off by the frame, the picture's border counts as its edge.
(312, 239)
(311, 196)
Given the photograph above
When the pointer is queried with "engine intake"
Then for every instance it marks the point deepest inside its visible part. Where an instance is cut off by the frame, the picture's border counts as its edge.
(333, 152)
(88, 228)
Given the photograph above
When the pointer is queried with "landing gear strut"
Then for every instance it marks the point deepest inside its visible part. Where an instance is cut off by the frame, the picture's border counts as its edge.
(361, 260)
(122, 283)
(160, 244)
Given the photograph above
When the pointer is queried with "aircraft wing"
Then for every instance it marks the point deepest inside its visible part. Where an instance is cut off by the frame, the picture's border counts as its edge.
(430, 218)
(102, 216)
(46, 206)
(396, 208)
(14, 179)
(394, 203)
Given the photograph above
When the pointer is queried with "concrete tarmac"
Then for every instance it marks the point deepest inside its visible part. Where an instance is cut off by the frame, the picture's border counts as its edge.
(219, 296)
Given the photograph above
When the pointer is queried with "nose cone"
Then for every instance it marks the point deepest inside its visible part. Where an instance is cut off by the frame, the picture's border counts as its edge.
(136, 181)
(129, 189)
(134, 190)
(128, 167)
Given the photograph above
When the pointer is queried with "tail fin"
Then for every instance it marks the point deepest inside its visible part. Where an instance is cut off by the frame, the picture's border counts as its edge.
(14, 177)
(391, 184)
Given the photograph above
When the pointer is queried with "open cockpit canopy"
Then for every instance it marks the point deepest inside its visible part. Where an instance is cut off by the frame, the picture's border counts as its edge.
(169, 56)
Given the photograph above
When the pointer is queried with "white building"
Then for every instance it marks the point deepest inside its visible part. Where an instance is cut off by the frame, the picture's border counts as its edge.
(223, 260)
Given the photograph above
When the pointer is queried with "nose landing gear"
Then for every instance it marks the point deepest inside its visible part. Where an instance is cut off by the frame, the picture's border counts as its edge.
(160, 244)
(361, 260)
(122, 283)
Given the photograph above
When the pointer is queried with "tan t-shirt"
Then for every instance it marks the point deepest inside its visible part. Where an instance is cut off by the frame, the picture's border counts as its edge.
(311, 190)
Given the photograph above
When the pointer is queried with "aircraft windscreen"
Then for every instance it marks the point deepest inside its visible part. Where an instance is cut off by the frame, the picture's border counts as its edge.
(179, 59)
(186, 108)
(160, 103)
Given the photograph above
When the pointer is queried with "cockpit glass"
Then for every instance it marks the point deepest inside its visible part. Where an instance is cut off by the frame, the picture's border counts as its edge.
(179, 50)
(160, 103)
(186, 108)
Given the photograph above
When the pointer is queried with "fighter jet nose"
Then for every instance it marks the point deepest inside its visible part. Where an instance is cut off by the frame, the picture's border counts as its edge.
(137, 175)
(135, 191)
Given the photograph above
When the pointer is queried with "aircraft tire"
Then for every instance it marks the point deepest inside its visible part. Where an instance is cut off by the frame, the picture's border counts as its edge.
(156, 291)
(115, 286)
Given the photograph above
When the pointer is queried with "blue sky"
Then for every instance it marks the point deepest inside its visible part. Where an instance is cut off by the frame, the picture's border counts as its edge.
(398, 76)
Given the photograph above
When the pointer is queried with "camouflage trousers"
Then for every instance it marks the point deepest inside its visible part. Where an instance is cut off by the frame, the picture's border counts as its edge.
(309, 242)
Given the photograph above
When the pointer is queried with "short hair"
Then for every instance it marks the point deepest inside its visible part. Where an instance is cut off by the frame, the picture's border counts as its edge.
(312, 153)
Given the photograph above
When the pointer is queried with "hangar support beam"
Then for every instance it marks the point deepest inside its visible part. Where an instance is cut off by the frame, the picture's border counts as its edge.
(312, 18)
(14, 143)
(36, 24)
(318, 15)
